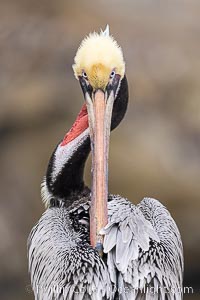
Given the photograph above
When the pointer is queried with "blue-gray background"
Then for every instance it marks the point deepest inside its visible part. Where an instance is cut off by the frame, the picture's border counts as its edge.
(156, 150)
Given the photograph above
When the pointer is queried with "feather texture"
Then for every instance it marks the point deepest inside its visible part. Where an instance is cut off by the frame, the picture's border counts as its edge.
(62, 263)
(144, 255)
(144, 250)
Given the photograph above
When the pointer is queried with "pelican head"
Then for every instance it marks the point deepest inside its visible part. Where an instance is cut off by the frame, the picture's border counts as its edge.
(99, 66)
(98, 59)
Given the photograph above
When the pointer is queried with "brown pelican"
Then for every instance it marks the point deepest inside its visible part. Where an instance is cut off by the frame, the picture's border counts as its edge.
(142, 248)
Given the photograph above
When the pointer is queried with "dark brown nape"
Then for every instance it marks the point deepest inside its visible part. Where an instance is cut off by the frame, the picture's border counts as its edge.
(69, 181)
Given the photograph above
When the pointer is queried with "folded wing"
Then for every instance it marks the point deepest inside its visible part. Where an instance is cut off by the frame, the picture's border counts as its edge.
(144, 250)
(62, 264)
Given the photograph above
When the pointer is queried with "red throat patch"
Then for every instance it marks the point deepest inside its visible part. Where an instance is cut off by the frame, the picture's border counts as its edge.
(80, 125)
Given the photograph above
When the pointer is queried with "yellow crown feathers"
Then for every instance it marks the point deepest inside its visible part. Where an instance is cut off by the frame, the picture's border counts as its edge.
(98, 55)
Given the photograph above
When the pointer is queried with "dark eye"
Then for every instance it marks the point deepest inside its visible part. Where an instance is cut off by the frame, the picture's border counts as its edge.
(84, 75)
(112, 74)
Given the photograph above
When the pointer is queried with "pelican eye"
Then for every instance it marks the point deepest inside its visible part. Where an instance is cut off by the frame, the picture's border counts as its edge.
(84, 74)
(112, 74)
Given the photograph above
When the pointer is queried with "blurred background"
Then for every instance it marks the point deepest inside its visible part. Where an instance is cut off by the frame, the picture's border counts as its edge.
(155, 151)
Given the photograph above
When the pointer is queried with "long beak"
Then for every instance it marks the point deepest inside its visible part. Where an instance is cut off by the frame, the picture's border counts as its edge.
(99, 108)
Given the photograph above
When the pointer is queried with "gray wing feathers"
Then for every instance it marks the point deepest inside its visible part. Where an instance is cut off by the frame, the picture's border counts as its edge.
(127, 231)
(145, 254)
(61, 264)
